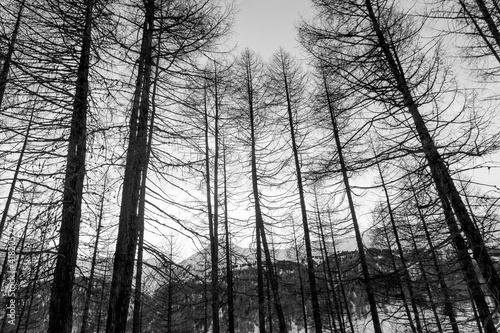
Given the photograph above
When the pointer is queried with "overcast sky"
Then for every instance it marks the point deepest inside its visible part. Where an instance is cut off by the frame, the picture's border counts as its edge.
(265, 25)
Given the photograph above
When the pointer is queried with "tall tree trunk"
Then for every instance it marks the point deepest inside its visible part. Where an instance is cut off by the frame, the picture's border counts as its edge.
(213, 229)
(443, 181)
(61, 306)
(4, 74)
(229, 267)
(258, 213)
(213, 218)
(303, 208)
(136, 164)
(209, 190)
(215, 248)
(359, 240)
(136, 320)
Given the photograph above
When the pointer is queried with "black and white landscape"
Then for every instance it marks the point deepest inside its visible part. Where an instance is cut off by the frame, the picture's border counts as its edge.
(249, 166)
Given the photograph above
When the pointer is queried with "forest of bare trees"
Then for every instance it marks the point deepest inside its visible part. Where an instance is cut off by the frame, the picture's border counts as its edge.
(154, 177)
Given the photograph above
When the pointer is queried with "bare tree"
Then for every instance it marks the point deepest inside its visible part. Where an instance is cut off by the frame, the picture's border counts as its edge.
(190, 28)
(250, 93)
(370, 40)
(359, 239)
(289, 82)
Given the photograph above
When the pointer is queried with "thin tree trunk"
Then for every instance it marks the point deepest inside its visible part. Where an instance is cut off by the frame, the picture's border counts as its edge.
(215, 253)
(260, 285)
(303, 209)
(61, 306)
(209, 186)
(214, 248)
(258, 213)
(213, 218)
(359, 240)
(229, 268)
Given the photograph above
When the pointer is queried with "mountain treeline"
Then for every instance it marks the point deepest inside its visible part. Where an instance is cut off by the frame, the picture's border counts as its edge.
(133, 131)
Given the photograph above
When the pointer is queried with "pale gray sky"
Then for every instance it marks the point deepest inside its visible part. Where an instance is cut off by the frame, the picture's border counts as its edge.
(265, 25)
